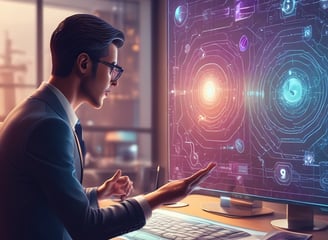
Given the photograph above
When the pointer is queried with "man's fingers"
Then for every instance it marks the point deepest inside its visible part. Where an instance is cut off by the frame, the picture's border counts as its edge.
(117, 175)
(201, 174)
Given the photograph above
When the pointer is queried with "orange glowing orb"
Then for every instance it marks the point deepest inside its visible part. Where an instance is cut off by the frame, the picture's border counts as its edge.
(210, 91)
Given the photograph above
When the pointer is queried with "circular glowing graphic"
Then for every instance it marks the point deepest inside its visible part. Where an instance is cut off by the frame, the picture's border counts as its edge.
(291, 111)
(180, 15)
(239, 145)
(207, 96)
(283, 173)
(210, 93)
(292, 91)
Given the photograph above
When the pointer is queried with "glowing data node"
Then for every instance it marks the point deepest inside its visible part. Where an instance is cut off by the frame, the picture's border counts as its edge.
(288, 7)
(293, 91)
(210, 92)
(181, 14)
(243, 43)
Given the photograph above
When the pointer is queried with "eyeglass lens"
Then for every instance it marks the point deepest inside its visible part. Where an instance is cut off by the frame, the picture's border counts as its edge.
(115, 70)
(115, 73)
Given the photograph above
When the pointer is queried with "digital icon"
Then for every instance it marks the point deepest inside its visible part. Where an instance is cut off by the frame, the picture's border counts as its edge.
(283, 173)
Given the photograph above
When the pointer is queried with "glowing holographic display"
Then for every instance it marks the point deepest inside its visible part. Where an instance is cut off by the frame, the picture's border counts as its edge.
(248, 88)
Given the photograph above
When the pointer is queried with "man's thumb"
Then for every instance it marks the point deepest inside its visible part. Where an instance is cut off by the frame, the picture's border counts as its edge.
(117, 174)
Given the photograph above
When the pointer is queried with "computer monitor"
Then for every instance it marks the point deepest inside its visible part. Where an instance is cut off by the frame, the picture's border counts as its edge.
(248, 89)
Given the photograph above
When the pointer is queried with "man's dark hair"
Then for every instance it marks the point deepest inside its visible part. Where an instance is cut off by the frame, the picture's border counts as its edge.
(81, 33)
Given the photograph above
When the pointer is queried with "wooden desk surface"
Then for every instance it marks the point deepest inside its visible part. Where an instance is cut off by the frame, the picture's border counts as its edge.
(261, 223)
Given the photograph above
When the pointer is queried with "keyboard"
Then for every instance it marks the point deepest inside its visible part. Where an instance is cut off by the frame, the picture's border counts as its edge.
(168, 225)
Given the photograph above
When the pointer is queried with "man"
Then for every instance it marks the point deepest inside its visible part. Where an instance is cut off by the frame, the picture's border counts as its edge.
(40, 154)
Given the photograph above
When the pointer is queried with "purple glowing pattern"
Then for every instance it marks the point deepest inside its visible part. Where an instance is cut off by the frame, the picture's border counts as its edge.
(244, 9)
(243, 43)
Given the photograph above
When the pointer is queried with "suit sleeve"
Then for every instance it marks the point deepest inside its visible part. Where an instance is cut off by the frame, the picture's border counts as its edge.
(92, 196)
(51, 162)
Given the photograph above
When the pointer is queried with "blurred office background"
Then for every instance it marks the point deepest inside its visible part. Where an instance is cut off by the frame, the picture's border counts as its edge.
(129, 132)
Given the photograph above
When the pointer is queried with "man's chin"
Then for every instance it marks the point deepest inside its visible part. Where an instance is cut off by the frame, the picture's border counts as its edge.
(97, 104)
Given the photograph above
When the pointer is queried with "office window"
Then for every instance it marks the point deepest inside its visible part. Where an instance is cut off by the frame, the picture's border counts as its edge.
(17, 53)
(120, 134)
(52, 15)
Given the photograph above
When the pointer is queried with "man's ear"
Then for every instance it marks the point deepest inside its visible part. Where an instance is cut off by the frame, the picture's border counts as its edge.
(83, 62)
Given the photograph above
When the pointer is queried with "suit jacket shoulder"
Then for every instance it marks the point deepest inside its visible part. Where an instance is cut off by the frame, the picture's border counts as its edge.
(38, 177)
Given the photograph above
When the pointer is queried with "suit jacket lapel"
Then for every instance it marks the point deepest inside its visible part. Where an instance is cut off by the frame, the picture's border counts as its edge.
(80, 155)
(46, 95)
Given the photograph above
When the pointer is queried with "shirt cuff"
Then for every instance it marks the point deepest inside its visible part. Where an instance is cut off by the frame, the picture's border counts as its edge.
(144, 205)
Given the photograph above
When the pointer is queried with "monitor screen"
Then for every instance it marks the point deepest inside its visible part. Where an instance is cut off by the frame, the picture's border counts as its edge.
(248, 89)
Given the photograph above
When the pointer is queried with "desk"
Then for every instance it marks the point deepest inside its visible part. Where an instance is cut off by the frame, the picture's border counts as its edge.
(261, 223)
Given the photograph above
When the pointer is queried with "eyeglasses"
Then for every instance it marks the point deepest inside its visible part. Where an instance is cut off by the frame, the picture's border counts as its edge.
(115, 70)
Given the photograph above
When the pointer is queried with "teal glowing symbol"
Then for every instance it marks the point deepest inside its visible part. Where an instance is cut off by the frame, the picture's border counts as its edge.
(288, 7)
(292, 91)
(180, 15)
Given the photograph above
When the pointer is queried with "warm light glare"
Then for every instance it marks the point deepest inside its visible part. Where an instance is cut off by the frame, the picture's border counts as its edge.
(135, 48)
(209, 91)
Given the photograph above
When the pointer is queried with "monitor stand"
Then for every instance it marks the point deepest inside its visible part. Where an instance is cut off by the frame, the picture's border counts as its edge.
(299, 218)
(234, 207)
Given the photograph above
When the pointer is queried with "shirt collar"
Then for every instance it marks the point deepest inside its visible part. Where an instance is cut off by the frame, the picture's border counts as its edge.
(72, 117)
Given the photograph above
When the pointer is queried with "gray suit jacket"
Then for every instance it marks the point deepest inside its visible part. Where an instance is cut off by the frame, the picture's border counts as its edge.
(40, 173)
